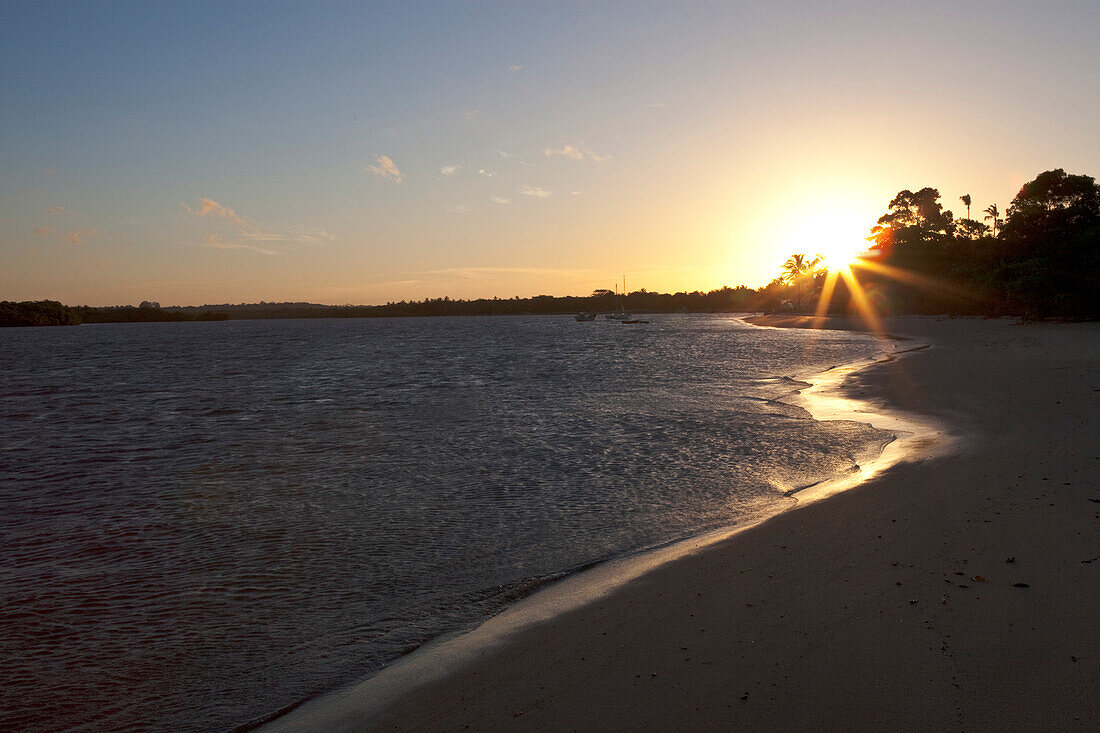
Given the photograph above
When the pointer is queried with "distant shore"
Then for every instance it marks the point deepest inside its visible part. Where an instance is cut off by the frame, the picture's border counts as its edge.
(951, 593)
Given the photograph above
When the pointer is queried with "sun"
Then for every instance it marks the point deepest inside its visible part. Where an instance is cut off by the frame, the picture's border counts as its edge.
(840, 251)
(836, 235)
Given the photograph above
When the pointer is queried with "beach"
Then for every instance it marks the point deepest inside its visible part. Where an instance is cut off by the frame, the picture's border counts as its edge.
(948, 592)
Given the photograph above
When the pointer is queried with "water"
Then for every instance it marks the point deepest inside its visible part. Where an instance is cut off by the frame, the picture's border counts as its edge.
(206, 522)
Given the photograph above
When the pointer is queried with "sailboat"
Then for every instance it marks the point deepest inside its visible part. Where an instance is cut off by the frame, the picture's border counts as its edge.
(621, 314)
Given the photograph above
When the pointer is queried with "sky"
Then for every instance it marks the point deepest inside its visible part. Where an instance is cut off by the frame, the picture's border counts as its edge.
(192, 153)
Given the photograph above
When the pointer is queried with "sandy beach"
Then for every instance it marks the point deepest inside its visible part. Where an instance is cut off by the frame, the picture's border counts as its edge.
(958, 592)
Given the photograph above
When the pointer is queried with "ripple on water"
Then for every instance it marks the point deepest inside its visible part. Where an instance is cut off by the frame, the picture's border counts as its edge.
(205, 522)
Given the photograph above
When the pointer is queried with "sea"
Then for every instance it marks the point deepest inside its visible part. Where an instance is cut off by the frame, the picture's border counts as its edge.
(205, 523)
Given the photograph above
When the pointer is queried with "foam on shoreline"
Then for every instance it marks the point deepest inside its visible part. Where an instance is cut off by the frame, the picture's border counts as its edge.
(821, 395)
(915, 436)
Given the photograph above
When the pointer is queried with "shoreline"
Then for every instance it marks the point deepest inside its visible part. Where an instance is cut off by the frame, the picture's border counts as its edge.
(956, 593)
(354, 706)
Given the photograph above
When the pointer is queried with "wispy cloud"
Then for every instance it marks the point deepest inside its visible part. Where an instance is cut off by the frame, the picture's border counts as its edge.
(568, 151)
(656, 105)
(516, 67)
(78, 236)
(75, 237)
(474, 273)
(246, 233)
(500, 199)
(217, 241)
(503, 154)
(472, 115)
(210, 207)
(449, 170)
(486, 173)
(534, 191)
(307, 235)
(580, 151)
(458, 209)
(385, 168)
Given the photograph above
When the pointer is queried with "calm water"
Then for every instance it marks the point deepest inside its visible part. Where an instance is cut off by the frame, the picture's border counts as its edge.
(205, 522)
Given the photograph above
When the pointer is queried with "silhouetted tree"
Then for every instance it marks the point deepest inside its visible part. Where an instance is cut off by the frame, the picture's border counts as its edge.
(971, 229)
(1055, 203)
(913, 219)
(965, 198)
(798, 269)
(1051, 247)
(992, 212)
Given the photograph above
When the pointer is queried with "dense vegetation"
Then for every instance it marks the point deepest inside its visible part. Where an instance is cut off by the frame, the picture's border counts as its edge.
(52, 313)
(1041, 260)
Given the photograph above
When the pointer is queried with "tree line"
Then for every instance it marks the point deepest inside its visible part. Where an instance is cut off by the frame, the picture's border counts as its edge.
(53, 313)
(1041, 260)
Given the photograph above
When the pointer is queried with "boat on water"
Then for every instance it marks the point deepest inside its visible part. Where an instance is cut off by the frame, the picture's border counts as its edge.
(621, 314)
(582, 316)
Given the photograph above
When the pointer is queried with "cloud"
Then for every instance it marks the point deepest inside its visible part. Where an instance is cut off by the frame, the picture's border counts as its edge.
(576, 152)
(77, 236)
(307, 235)
(568, 151)
(500, 199)
(210, 207)
(503, 154)
(458, 209)
(656, 105)
(474, 273)
(245, 233)
(217, 241)
(487, 174)
(575, 193)
(515, 67)
(449, 170)
(534, 191)
(472, 115)
(385, 168)
(258, 235)
(529, 165)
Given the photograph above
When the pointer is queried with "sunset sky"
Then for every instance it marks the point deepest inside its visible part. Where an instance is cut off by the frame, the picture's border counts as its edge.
(194, 153)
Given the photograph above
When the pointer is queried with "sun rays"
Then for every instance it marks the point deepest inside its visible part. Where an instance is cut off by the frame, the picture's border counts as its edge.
(870, 262)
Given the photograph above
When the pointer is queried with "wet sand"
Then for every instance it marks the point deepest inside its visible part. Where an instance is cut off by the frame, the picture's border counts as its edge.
(952, 593)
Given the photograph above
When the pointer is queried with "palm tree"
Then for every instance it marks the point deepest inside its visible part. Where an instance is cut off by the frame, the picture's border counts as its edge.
(796, 269)
(992, 212)
(965, 198)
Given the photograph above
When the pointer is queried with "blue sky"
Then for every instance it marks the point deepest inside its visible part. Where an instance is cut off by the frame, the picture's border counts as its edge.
(340, 152)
